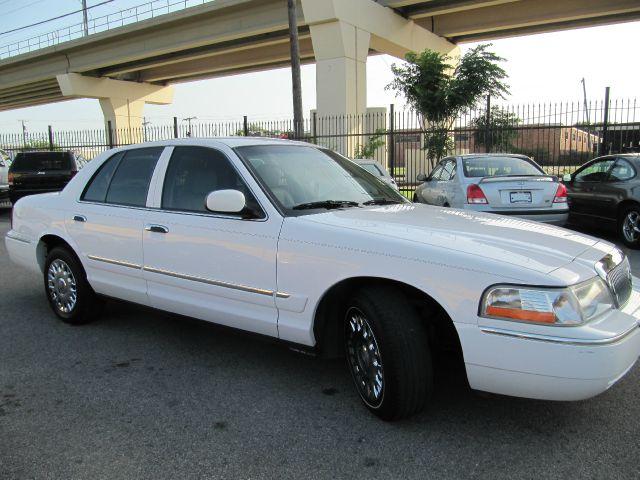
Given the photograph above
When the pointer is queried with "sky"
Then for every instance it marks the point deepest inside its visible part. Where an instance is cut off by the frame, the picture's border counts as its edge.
(544, 68)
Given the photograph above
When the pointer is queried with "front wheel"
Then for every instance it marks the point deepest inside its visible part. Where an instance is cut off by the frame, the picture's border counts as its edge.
(630, 227)
(69, 294)
(387, 353)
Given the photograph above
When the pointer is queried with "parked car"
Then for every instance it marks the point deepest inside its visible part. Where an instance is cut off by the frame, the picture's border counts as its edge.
(4, 176)
(293, 241)
(40, 172)
(497, 183)
(376, 169)
(605, 192)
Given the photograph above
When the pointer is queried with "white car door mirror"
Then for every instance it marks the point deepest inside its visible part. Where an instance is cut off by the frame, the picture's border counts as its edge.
(421, 178)
(226, 201)
(566, 177)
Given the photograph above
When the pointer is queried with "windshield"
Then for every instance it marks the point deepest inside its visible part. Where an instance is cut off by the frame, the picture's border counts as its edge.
(372, 168)
(300, 177)
(499, 166)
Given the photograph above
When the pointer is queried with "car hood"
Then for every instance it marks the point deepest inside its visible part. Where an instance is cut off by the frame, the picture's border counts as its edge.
(540, 247)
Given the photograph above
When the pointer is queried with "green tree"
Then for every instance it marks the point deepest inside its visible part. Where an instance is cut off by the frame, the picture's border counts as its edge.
(499, 133)
(439, 92)
(368, 150)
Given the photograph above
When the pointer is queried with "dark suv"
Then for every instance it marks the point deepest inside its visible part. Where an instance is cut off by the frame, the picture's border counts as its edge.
(41, 172)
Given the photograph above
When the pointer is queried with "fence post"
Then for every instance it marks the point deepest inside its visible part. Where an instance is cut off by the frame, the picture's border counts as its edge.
(391, 152)
(50, 138)
(245, 126)
(175, 127)
(605, 124)
(487, 130)
(315, 127)
(110, 133)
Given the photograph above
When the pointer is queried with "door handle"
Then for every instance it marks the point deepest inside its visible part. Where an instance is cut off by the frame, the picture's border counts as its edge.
(79, 218)
(156, 228)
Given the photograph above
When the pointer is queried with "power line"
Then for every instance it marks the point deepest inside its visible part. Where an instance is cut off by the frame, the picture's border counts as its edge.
(54, 18)
(22, 7)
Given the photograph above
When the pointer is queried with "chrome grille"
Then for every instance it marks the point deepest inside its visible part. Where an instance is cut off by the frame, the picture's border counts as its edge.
(619, 280)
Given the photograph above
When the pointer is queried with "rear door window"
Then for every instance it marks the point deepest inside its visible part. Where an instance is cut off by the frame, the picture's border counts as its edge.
(130, 182)
(124, 179)
(622, 170)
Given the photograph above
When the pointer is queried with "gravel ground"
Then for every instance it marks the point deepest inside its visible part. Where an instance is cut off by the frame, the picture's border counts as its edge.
(142, 394)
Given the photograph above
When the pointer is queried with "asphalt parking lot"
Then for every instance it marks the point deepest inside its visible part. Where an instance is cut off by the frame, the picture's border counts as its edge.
(140, 394)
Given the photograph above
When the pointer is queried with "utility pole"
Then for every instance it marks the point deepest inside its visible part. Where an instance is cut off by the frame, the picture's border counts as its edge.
(188, 119)
(85, 21)
(298, 125)
(586, 112)
(144, 125)
(24, 132)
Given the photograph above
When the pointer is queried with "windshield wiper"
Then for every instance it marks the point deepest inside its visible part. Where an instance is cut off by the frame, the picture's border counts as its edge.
(328, 204)
(381, 201)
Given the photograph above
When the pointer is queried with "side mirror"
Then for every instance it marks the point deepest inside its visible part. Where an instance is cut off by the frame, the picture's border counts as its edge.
(567, 178)
(226, 201)
(421, 178)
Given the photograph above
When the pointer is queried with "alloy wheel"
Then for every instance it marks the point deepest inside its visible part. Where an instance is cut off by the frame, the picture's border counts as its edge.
(363, 355)
(631, 226)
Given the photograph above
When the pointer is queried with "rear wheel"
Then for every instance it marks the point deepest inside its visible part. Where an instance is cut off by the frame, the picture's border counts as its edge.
(629, 227)
(70, 295)
(387, 353)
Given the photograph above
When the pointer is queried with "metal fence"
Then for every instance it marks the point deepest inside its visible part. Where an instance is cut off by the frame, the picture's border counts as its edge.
(560, 136)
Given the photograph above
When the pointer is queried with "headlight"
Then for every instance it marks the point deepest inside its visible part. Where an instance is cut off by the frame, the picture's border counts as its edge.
(552, 306)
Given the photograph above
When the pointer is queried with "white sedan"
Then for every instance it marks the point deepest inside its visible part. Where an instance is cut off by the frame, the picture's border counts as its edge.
(498, 183)
(293, 241)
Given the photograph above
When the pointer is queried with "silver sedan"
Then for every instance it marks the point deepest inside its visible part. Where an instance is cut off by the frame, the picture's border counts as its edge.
(496, 183)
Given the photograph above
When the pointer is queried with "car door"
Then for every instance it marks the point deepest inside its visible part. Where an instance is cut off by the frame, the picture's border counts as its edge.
(586, 204)
(216, 267)
(614, 190)
(107, 223)
(447, 184)
(429, 190)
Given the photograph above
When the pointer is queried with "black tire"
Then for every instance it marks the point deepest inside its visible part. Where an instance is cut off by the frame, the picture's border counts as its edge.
(415, 198)
(629, 226)
(65, 283)
(387, 352)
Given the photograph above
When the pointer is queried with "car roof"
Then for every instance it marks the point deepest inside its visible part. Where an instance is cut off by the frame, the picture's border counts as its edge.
(489, 155)
(366, 160)
(231, 142)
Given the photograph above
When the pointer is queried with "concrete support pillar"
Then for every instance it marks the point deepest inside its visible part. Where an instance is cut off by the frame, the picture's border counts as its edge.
(125, 116)
(342, 32)
(122, 102)
(341, 53)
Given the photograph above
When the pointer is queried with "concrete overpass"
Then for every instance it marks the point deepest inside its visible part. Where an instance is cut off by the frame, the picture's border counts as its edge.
(136, 64)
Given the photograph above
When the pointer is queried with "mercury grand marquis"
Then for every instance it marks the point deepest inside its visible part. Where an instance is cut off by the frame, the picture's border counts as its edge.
(293, 241)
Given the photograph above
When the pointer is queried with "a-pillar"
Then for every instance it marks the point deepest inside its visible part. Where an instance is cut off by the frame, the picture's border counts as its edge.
(122, 102)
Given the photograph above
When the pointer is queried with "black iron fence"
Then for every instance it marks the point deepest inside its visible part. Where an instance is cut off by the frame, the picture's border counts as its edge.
(558, 136)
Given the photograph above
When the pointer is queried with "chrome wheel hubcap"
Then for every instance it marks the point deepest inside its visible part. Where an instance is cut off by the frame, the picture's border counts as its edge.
(62, 286)
(364, 359)
(631, 226)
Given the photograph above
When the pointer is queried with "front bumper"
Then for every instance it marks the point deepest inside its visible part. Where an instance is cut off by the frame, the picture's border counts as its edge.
(553, 363)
